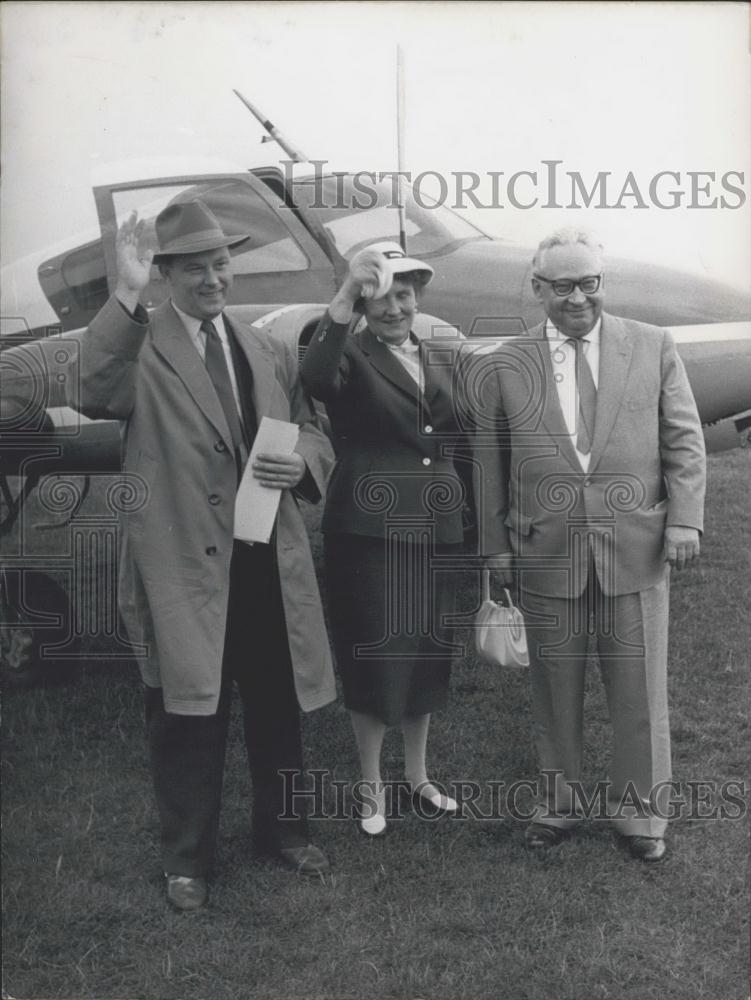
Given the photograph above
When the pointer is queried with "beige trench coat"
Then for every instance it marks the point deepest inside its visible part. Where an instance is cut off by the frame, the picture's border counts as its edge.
(177, 540)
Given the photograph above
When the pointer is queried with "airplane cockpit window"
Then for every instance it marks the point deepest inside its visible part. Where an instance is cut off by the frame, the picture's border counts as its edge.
(351, 232)
(346, 213)
(148, 202)
(239, 209)
(280, 255)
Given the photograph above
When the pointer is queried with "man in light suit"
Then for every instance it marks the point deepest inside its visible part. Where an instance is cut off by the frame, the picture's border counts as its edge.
(192, 385)
(590, 484)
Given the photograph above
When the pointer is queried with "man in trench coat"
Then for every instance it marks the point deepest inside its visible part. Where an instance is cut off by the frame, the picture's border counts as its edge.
(192, 386)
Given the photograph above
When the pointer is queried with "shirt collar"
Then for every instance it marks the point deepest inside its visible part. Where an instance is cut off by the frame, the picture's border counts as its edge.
(193, 324)
(554, 335)
(409, 346)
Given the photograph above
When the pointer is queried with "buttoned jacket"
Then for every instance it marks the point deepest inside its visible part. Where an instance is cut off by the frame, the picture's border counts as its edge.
(394, 441)
(646, 470)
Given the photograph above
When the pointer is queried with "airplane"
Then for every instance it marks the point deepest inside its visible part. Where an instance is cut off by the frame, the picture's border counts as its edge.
(306, 224)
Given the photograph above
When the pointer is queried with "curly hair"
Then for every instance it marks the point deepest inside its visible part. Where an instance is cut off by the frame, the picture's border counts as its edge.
(568, 236)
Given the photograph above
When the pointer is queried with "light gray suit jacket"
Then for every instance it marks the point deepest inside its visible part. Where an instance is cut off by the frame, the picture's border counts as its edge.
(647, 465)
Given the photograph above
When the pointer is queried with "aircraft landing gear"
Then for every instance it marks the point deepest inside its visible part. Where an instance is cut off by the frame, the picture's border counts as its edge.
(27, 645)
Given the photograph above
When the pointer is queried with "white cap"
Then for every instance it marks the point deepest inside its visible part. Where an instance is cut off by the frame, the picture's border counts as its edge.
(399, 262)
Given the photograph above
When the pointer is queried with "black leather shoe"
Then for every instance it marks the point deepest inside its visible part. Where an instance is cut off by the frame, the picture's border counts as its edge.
(541, 836)
(185, 893)
(649, 849)
(305, 860)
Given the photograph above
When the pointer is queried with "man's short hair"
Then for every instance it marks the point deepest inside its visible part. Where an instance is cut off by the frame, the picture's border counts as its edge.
(568, 236)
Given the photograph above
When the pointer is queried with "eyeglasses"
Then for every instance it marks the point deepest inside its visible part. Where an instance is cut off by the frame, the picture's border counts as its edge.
(565, 286)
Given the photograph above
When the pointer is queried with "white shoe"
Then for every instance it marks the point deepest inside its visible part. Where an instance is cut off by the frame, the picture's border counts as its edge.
(373, 826)
(434, 805)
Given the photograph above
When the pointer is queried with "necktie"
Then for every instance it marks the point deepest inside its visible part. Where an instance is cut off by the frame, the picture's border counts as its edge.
(585, 384)
(216, 366)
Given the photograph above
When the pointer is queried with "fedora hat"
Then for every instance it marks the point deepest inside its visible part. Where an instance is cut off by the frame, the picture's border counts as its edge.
(190, 227)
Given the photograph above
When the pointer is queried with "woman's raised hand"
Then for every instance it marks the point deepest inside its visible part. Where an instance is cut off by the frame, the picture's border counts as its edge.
(369, 276)
(369, 271)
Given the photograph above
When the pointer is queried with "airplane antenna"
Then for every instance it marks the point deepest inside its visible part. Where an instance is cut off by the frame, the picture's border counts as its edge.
(400, 152)
(295, 154)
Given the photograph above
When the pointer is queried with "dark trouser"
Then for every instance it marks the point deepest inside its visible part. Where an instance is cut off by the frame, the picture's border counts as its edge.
(187, 751)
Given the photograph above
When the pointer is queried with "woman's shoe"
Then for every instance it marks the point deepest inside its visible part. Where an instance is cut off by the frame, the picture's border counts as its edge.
(433, 806)
(373, 826)
(370, 811)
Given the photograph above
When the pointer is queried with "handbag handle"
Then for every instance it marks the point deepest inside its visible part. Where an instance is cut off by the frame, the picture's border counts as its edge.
(486, 589)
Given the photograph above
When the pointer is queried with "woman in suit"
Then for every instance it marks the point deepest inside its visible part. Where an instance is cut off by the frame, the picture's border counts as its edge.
(394, 503)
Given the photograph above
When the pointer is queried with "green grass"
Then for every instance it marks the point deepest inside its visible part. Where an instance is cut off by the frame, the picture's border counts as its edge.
(436, 910)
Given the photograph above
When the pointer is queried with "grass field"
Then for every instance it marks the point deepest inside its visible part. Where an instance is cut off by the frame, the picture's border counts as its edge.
(437, 910)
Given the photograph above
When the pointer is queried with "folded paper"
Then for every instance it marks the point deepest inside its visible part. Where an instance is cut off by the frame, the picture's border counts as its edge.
(256, 506)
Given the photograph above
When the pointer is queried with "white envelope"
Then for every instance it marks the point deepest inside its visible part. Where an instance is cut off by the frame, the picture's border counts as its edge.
(256, 505)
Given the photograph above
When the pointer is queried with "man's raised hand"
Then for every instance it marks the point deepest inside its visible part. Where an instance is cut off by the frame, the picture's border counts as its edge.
(133, 261)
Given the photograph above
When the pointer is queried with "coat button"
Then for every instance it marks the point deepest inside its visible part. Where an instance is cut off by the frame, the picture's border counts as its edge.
(214, 499)
(426, 461)
(428, 429)
(587, 481)
(220, 446)
(211, 550)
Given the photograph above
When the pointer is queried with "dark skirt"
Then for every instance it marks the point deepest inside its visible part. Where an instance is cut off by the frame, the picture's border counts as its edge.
(389, 603)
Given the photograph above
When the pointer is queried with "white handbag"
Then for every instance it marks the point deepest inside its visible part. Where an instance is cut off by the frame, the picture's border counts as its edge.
(499, 631)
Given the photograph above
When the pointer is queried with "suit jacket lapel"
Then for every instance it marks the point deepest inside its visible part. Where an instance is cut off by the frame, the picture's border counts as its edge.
(615, 360)
(262, 365)
(173, 342)
(381, 358)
